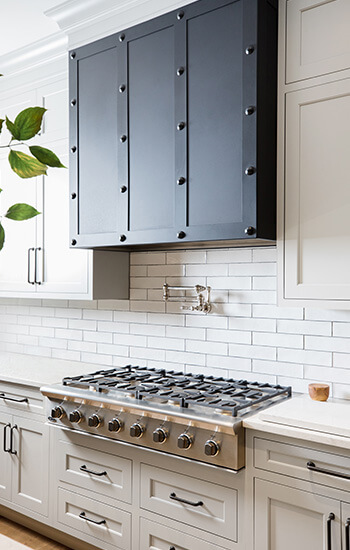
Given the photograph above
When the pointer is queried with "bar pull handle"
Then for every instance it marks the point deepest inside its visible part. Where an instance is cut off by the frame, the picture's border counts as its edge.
(173, 496)
(82, 515)
(4, 440)
(12, 451)
(29, 279)
(312, 466)
(37, 280)
(347, 534)
(83, 468)
(21, 400)
(330, 518)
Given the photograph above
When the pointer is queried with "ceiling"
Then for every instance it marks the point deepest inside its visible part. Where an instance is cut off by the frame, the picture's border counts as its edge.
(23, 22)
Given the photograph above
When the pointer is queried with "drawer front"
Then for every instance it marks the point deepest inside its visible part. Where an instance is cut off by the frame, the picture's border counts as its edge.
(217, 514)
(101, 472)
(154, 536)
(107, 524)
(292, 460)
(17, 398)
(318, 38)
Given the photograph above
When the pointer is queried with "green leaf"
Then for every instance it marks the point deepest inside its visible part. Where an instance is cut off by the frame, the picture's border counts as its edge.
(2, 120)
(46, 156)
(26, 166)
(12, 128)
(29, 122)
(21, 211)
(2, 237)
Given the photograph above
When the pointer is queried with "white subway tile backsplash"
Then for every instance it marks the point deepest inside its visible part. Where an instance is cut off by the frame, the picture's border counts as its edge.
(245, 336)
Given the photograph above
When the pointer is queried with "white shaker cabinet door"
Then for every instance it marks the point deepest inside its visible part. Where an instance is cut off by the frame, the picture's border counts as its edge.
(316, 263)
(30, 465)
(318, 38)
(289, 519)
(346, 525)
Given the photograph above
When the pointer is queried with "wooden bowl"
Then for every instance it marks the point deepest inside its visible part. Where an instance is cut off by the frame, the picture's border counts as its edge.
(319, 392)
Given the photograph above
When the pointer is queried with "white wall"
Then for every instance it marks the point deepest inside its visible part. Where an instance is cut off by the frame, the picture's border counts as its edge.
(246, 335)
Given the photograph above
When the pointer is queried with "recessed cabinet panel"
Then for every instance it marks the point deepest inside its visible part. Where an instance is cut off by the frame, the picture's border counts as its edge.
(215, 116)
(97, 140)
(151, 131)
(5, 461)
(317, 193)
(346, 524)
(290, 518)
(318, 37)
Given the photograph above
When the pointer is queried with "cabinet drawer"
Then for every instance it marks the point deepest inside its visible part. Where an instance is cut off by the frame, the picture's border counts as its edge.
(159, 537)
(318, 38)
(217, 514)
(101, 472)
(17, 398)
(112, 525)
(292, 460)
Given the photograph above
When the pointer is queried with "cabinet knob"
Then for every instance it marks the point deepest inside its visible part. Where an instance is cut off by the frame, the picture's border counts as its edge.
(73, 242)
(181, 126)
(73, 149)
(250, 170)
(180, 15)
(122, 88)
(123, 189)
(180, 71)
(73, 102)
(181, 235)
(122, 238)
(249, 50)
(181, 181)
(250, 230)
(123, 138)
(73, 55)
(73, 195)
(122, 37)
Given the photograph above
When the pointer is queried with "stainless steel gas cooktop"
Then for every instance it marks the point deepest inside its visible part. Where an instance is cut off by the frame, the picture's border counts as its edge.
(191, 415)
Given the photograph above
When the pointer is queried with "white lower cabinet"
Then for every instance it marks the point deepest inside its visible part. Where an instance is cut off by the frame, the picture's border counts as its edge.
(5, 462)
(346, 525)
(288, 518)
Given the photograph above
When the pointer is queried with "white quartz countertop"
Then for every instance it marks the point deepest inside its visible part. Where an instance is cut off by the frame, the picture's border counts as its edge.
(39, 371)
(300, 417)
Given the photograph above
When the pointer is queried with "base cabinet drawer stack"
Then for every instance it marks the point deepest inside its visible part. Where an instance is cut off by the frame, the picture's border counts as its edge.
(301, 494)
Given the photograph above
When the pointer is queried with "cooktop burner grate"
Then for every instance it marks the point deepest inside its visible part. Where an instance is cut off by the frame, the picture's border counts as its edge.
(225, 395)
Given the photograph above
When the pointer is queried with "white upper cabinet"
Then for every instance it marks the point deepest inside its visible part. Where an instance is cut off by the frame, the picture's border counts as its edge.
(318, 38)
(37, 260)
(313, 153)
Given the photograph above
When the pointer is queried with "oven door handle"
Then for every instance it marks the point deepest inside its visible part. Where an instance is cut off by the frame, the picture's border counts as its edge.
(82, 515)
(83, 468)
(312, 466)
(173, 496)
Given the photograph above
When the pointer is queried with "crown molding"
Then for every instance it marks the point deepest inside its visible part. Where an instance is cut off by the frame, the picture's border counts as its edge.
(35, 54)
(87, 20)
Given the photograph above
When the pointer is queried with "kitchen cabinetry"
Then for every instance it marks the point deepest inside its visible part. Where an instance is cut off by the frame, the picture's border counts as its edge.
(24, 456)
(314, 141)
(178, 144)
(346, 525)
(36, 260)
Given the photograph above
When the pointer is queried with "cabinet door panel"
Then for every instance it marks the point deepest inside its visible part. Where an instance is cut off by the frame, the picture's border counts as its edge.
(151, 130)
(318, 37)
(317, 193)
(93, 78)
(345, 509)
(290, 518)
(5, 460)
(31, 465)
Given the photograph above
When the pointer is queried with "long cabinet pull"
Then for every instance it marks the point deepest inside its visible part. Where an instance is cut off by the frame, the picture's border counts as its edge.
(6, 398)
(312, 466)
(30, 281)
(347, 534)
(82, 515)
(12, 451)
(173, 496)
(37, 280)
(5, 437)
(330, 518)
(83, 468)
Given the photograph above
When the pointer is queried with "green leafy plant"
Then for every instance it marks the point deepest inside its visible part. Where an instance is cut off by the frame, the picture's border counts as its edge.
(26, 125)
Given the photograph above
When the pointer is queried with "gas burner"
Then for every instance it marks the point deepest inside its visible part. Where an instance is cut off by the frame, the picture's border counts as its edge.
(228, 396)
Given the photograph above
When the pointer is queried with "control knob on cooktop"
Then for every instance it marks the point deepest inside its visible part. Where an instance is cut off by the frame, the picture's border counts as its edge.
(57, 412)
(115, 425)
(75, 417)
(184, 441)
(160, 435)
(211, 448)
(94, 421)
(137, 430)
